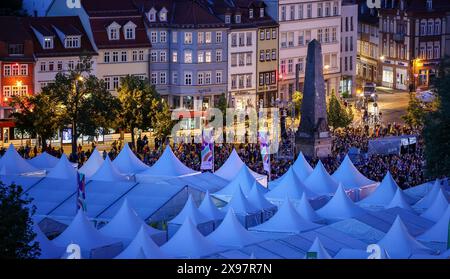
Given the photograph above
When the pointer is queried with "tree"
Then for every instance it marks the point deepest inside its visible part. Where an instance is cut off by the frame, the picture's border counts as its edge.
(136, 97)
(37, 115)
(338, 115)
(85, 102)
(414, 113)
(163, 122)
(297, 100)
(16, 230)
(437, 126)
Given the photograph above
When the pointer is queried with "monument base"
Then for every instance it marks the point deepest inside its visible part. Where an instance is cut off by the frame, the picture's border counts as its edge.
(314, 147)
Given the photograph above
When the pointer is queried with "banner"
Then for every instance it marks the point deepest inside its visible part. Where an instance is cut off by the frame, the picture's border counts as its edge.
(207, 153)
(265, 150)
(81, 198)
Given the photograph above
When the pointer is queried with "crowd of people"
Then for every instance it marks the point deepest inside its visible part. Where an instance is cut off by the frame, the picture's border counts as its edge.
(407, 169)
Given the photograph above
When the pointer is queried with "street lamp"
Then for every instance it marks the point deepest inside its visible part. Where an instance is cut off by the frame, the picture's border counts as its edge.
(382, 58)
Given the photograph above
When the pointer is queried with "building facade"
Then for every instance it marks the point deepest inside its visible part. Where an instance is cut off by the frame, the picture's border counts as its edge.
(349, 38)
(301, 21)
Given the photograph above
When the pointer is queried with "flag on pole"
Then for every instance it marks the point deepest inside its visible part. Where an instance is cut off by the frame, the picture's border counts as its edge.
(207, 153)
(265, 153)
(81, 198)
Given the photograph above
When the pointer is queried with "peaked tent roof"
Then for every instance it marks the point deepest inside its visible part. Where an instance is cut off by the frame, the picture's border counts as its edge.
(439, 231)
(108, 172)
(232, 166)
(257, 199)
(231, 233)
(240, 204)
(94, 162)
(83, 233)
(168, 165)
(430, 197)
(44, 161)
(320, 181)
(142, 243)
(399, 243)
(349, 176)
(438, 208)
(188, 242)
(305, 210)
(384, 192)
(63, 170)
(190, 210)
(12, 163)
(340, 206)
(126, 162)
(286, 220)
(209, 209)
(126, 223)
(290, 186)
(243, 180)
(399, 200)
(318, 248)
(48, 249)
(302, 169)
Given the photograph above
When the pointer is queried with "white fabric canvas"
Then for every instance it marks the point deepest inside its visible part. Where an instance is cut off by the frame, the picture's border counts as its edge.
(91, 166)
(320, 181)
(142, 246)
(126, 162)
(384, 192)
(439, 231)
(349, 176)
(340, 207)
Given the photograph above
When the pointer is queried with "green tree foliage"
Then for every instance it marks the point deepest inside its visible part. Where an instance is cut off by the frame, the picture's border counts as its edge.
(437, 126)
(414, 113)
(16, 229)
(222, 104)
(297, 99)
(338, 115)
(163, 122)
(136, 97)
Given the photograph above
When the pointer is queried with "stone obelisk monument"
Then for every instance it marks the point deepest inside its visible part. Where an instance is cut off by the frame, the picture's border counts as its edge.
(313, 136)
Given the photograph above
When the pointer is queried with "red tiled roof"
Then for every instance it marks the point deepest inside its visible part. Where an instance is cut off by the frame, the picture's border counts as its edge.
(15, 24)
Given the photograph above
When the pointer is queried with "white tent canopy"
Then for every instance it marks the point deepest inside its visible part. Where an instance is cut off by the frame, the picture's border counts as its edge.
(257, 199)
(91, 166)
(209, 209)
(286, 220)
(439, 231)
(44, 161)
(349, 176)
(399, 243)
(231, 233)
(190, 210)
(168, 165)
(12, 163)
(384, 192)
(340, 207)
(318, 248)
(240, 204)
(126, 162)
(320, 181)
(301, 168)
(230, 169)
(82, 232)
(63, 170)
(125, 224)
(243, 180)
(108, 172)
(48, 249)
(142, 244)
(399, 200)
(430, 197)
(438, 207)
(306, 211)
(289, 185)
(188, 242)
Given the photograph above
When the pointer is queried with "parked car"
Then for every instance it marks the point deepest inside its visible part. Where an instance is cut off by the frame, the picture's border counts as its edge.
(370, 91)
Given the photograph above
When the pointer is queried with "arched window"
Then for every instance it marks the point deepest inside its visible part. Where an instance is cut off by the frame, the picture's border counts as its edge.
(430, 27)
(423, 27)
(437, 27)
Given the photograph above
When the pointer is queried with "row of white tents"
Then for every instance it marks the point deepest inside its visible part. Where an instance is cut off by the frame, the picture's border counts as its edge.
(306, 209)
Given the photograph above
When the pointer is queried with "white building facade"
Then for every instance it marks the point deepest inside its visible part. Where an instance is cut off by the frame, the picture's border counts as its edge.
(349, 40)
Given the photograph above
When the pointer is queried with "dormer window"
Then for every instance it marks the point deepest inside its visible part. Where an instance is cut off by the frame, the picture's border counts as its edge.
(129, 31)
(237, 18)
(429, 4)
(152, 15)
(113, 31)
(250, 13)
(72, 42)
(163, 15)
(261, 12)
(227, 19)
(48, 42)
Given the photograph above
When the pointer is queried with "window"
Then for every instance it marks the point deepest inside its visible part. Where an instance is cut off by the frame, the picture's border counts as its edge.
(437, 27)
(250, 13)
(187, 78)
(268, 55)
(208, 37)
(152, 15)
(51, 67)
(163, 36)
(290, 39)
(200, 56)
(300, 11)
(129, 33)
(106, 57)
(124, 56)
(241, 39)
(274, 54)
(175, 78)
(107, 81)
(437, 52)
(187, 56)
(72, 42)
(319, 9)
(233, 60)
(237, 18)
(15, 49)
(113, 33)
(200, 38)
(261, 79)
(163, 56)
(174, 56)
(283, 66)
(261, 12)
(262, 35)
(327, 35)
(320, 35)
(154, 78)
(335, 8)
(141, 55)
(115, 83)
(334, 34)
(248, 80)
(219, 77)
(300, 62)
(227, 19)
(241, 59)
(249, 38)
(241, 81)
(233, 40)
(301, 38)
(429, 4)
(7, 70)
(134, 55)
(48, 43)
(153, 56)
(283, 13)
(153, 37)
(290, 66)
(334, 60)
(309, 11)
(423, 27)
(327, 9)
(163, 15)
(430, 52)
(200, 78)
(43, 67)
(291, 12)
(423, 52)
(233, 82)
(15, 70)
(261, 55)
(187, 38)
(274, 34)
(7, 91)
(430, 27)
(218, 55)
(208, 56)
(218, 37)
(162, 78)
(70, 65)
(248, 59)
(59, 66)
(174, 37)
(268, 34)
(351, 43)
(208, 78)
